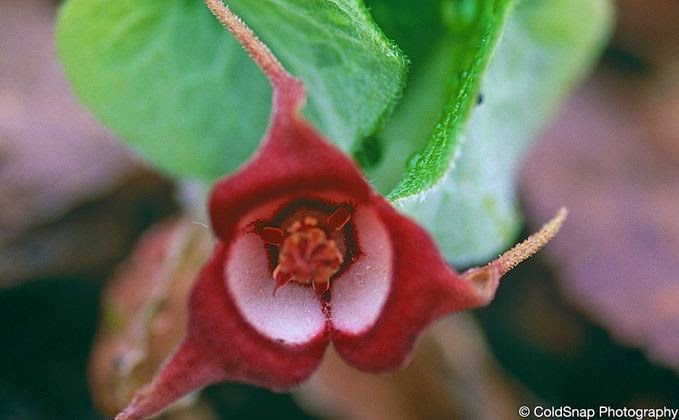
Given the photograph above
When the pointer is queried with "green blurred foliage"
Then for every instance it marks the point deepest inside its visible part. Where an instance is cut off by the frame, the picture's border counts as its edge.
(546, 48)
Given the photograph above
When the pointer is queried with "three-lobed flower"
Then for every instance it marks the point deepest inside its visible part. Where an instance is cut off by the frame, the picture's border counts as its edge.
(309, 254)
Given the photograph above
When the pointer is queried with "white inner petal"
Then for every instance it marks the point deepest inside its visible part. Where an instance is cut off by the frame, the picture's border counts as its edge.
(293, 316)
(359, 294)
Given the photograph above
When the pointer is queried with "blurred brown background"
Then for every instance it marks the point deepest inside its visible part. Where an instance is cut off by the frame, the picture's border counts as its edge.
(592, 321)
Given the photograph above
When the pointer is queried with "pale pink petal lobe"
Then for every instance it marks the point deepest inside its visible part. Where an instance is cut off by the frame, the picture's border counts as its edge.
(359, 294)
(293, 315)
(423, 288)
(221, 345)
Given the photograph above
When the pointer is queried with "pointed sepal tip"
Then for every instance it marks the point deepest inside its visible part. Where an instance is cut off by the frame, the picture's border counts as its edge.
(486, 279)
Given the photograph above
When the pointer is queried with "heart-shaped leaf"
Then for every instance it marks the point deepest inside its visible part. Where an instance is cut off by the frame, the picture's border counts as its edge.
(167, 78)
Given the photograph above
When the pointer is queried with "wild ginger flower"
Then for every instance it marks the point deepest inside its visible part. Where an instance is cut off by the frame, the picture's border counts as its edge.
(307, 254)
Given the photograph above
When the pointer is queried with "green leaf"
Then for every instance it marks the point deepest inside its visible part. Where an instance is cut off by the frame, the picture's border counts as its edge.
(547, 47)
(175, 85)
(472, 29)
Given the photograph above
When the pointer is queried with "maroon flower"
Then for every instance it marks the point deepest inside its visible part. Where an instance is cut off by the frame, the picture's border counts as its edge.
(307, 254)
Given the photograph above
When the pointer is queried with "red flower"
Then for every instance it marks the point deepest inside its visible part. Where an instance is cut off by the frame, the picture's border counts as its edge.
(307, 254)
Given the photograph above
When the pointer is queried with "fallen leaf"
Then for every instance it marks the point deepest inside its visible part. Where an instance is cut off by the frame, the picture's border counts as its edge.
(618, 252)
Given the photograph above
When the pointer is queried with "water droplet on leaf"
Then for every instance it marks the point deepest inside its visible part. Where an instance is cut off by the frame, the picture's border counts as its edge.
(459, 15)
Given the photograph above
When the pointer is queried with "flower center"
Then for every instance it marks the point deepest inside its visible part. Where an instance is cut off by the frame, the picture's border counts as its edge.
(309, 250)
